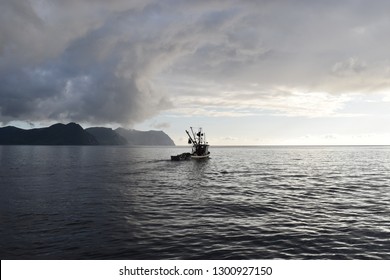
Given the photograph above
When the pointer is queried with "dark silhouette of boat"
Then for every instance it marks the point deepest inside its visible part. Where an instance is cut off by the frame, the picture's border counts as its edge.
(200, 148)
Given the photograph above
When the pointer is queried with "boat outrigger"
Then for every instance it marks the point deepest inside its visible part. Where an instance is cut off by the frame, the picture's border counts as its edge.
(200, 148)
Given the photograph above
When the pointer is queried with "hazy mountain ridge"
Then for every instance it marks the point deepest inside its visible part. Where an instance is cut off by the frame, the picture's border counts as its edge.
(74, 134)
(106, 136)
(149, 138)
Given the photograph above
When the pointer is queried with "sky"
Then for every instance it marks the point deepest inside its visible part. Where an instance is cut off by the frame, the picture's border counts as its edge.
(271, 72)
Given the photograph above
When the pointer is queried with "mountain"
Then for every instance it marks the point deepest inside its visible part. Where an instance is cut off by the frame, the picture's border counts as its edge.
(74, 134)
(57, 134)
(106, 136)
(147, 138)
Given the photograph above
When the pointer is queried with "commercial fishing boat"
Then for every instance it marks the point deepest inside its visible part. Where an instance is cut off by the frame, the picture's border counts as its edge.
(200, 148)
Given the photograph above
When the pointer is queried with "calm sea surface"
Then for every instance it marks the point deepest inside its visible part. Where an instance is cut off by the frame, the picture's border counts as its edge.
(244, 203)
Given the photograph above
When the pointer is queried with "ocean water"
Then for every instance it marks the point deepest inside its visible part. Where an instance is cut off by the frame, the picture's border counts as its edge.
(71, 202)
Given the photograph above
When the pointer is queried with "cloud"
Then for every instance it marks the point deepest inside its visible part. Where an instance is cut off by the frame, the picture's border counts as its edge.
(97, 71)
(161, 125)
(126, 61)
(351, 66)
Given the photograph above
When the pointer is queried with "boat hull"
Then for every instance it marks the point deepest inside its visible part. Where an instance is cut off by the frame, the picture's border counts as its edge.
(200, 157)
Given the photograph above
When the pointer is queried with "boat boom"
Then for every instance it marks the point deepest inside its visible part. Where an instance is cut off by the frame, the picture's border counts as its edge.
(192, 140)
(193, 133)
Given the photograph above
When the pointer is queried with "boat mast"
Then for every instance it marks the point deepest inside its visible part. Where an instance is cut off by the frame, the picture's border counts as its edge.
(200, 134)
(198, 138)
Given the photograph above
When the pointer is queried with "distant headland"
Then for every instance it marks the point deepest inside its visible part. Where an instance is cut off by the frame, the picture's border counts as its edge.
(74, 134)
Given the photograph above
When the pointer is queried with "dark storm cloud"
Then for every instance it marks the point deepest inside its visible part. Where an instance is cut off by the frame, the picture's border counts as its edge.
(116, 61)
(97, 73)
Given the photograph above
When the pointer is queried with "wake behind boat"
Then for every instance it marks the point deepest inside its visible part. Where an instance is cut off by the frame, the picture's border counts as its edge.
(200, 148)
